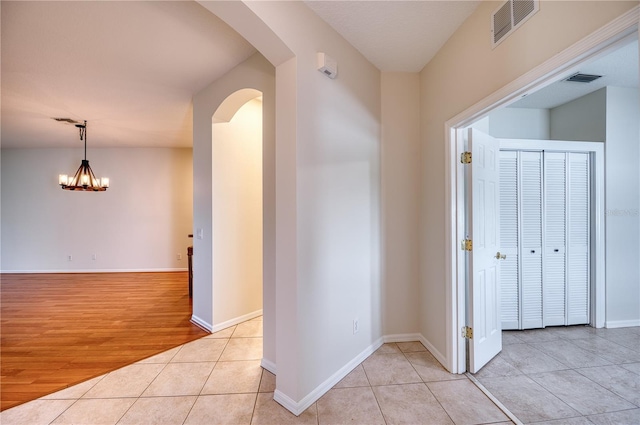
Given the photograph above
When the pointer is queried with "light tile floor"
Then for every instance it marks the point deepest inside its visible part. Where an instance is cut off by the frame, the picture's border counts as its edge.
(218, 380)
(573, 375)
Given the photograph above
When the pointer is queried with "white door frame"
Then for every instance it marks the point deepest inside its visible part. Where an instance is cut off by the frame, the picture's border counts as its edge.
(607, 38)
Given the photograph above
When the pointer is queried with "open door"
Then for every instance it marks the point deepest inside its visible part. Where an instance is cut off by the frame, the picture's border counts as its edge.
(483, 273)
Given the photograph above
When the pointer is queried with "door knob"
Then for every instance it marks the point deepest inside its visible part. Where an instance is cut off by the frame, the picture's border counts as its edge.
(501, 256)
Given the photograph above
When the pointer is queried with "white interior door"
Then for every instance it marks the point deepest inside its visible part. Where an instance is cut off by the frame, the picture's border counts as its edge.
(484, 268)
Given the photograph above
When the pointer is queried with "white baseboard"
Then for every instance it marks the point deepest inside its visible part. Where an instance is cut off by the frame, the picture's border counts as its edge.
(416, 337)
(437, 354)
(402, 338)
(94, 271)
(201, 323)
(236, 320)
(298, 407)
(621, 323)
(287, 402)
(269, 365)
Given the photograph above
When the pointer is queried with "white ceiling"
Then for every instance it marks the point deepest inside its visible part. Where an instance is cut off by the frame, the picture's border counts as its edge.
(618, 68)
(129, 68)
(395, 35)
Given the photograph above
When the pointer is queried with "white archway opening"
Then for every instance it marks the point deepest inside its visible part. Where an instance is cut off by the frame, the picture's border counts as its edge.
(237, 209)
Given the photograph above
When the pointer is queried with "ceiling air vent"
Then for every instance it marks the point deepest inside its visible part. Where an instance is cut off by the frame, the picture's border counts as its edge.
(583, 78)
(509, 17)
(67, 120)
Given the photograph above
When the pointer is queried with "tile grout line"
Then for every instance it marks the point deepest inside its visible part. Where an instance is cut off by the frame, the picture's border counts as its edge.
(370, 388)
(528, 375)
(151, 382)
(197, 396)
(425, 384)
(493, 399)
(575, 369)
(255, 402)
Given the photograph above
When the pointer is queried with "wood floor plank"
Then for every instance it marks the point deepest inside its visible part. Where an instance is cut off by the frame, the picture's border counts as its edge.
(57, 330)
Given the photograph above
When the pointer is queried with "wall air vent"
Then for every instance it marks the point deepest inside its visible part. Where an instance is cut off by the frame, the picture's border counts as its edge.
(583, 78)
(509, 17)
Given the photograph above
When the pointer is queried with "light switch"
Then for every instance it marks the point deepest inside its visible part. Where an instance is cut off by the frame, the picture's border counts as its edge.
(200, 233)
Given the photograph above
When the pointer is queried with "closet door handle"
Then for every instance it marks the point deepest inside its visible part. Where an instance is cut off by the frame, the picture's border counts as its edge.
(556, 250)
(533, 251)
(501, 256)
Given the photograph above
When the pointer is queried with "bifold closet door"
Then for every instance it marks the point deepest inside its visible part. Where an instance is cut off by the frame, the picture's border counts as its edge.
(566, 235)
(509, 237)
(545, 232)
(531, 239)
(521, 239)
(555, 219)
(578, 238)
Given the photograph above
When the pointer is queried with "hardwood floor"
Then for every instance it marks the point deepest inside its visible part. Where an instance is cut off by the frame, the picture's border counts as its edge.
(58, 330)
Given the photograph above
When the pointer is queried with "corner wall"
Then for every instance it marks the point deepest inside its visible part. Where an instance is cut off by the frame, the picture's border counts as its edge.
(622, 153)
(140, 223)
(328, 206)
(400, 171)
(256, 73)
(584, 119)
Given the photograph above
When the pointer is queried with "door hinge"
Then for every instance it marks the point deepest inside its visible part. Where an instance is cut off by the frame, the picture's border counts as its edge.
(465, 158)
(467, 332)
(467, 245)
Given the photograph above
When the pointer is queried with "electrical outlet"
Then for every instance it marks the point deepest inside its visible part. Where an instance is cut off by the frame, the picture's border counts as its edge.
(70, 257)
(356, 326)
(94, 256)
(179, 256)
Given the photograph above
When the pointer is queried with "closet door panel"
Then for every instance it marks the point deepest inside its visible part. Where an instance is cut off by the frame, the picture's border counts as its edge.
(578, 282)
(509, 273)
(555, 238)
(531, 238)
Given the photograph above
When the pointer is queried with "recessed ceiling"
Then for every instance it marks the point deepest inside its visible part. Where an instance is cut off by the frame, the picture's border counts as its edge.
(129, 68)
(395, 35)
(618, 68)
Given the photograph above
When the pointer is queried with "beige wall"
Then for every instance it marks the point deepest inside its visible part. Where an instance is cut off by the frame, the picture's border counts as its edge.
(237, 214)
(254, 73)
(400, 168)
(328, 205)
(448, 87)
(140, 223)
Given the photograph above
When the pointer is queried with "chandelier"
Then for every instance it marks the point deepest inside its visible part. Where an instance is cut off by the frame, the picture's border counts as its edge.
(83, 179)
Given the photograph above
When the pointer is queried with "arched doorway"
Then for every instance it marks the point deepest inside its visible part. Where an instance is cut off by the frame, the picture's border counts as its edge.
(237, 209)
